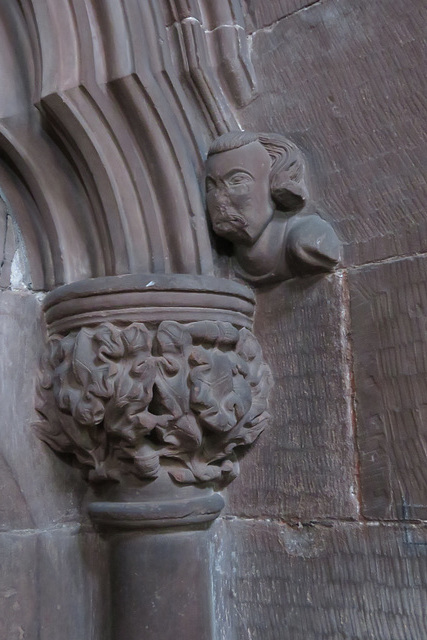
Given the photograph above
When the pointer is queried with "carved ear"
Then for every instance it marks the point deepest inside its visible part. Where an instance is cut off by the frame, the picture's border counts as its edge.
(287, 178)
(288, 194)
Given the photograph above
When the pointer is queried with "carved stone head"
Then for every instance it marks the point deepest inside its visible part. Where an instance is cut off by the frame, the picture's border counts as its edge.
(248, 176)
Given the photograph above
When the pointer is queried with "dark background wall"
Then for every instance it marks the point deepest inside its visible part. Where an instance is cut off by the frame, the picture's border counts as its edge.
(317, 546)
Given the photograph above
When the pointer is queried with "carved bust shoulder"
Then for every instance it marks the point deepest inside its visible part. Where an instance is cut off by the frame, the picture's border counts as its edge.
(256, 196)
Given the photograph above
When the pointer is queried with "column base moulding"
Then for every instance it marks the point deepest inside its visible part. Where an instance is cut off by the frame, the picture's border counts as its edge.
(131, 516)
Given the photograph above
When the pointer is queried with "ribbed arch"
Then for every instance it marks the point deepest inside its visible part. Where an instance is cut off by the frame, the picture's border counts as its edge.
(59, 204)
(117, 108)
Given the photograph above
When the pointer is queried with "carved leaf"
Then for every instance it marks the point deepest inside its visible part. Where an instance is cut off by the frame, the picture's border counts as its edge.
(126, 416)
(63, 434)
(121, 404)
(259, 378)
(216, 333)
(213, 389)
(173, 338)
(183, 434)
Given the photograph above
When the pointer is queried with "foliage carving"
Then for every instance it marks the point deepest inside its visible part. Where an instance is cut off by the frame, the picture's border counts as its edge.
(128, 400)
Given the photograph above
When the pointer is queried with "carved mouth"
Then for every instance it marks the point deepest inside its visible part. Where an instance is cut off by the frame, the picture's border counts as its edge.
(230, 223)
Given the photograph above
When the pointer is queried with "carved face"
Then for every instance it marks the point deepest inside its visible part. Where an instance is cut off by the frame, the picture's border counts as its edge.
(238, 193)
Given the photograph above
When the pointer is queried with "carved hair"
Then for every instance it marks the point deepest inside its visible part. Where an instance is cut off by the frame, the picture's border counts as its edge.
(287, 183)
(232, 140)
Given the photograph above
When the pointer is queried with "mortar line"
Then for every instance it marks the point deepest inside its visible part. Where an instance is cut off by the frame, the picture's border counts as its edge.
(272, 25)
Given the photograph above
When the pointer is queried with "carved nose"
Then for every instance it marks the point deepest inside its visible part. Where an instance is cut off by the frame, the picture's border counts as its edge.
(221, 195)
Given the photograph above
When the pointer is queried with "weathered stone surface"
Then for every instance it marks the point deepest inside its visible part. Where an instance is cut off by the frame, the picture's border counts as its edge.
(388, 314)
(349, 581)
(347, 88)
(73, 586)
(303, 466)
(37, 488)
(18, 587)
(53, 584)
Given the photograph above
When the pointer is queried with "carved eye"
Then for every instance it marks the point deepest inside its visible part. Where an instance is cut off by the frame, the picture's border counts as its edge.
(210, 184)
(239, 178)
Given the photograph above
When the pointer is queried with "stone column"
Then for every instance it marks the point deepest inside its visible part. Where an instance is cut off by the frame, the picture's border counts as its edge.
(150, 382)
(160, 559)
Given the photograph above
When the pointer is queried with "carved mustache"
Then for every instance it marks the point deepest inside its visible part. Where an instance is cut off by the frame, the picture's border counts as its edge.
(224, 220)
